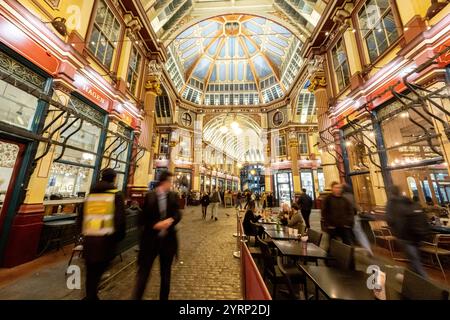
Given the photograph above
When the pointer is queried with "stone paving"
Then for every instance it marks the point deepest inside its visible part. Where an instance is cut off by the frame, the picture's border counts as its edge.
(205, 268)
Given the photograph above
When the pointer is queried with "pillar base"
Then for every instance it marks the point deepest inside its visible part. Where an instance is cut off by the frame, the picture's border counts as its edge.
(24, 236)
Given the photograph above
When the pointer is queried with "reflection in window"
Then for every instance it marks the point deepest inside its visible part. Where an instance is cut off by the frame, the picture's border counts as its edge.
(105, 34)
(185, 146)
(68, 180)
(303, 143)
(280, 143)
(377, 25)
(133, 70)
(340, 65)
(164, 144)
(16, 106)
(406, 138)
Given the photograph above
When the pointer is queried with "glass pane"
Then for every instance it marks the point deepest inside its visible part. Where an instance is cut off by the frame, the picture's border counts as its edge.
(371, 47)
(390, 27)
(68, 180)
(16, 106)
(101, 13)
(87, 137)
(10, 153)
(94, 40)
(76, 156)
(308, 183)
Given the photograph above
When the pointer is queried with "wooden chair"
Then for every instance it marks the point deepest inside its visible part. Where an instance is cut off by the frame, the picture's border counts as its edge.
(381, 231)
(437, 248)
(415, 287)
(342, 254)
(314, 237)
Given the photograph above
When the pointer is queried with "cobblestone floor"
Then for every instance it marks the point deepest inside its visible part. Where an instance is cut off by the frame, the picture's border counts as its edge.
(205, 269)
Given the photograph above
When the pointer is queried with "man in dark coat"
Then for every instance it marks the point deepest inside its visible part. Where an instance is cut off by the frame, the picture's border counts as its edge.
(100, 241)
(409, 225)
(338, 215)
(160, 214)
(305, 203)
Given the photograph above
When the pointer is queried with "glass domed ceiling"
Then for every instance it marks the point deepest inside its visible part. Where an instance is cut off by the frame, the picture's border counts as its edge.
(234, 60)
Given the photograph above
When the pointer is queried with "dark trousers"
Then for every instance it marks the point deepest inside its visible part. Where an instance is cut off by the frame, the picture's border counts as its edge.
(165, 262)
(305, 215)
(346, 234)
(204, 211)
(94, 272)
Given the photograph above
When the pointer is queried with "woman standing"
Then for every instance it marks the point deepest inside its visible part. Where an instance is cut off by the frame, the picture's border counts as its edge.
(205, 203)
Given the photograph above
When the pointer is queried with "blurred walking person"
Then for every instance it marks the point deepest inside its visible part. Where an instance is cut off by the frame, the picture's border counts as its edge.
(102, 226)
(239, 200)
(205, 203)
(305, 203)
(215, 202)
(409, 225)
(160, 214)
(338, 215)
(358, 232)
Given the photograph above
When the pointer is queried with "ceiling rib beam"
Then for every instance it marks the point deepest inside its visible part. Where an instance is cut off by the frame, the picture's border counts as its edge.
(210, 70)
(252, 69)
(275, 70)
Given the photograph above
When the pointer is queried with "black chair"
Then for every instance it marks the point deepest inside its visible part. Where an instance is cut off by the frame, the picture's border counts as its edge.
(314, 237)
(415, 287)
(271, 272)
(342, 254)
(255, 231)
(292, 276)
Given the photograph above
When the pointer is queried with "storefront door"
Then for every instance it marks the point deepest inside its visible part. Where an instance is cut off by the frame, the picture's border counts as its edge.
(10, 164)
(307, 181)
(283, 187)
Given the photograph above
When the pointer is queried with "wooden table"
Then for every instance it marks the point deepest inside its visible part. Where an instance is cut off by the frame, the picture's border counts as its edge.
(274, 227)
(264, 221)
(339, 284)
(281, 234)
(298, 249)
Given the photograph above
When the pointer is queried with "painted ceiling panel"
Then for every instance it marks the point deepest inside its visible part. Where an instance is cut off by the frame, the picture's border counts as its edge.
(232, 48)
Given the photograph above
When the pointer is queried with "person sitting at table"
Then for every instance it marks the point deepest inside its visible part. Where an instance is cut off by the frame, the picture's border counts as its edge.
(294, 219)
(285, 210)
(250, 216)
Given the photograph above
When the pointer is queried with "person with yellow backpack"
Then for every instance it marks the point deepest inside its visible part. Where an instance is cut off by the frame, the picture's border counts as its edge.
(102, 227)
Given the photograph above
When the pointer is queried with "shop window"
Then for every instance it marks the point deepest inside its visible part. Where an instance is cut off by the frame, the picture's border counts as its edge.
(321, 180)
(17, 107)
(406, 136)
(66, 180)
(72, 171)
(117, 154)
(378, 28)
(303, 143)
(105, 34)
(8, 160)
(134, 67)
(340, 65)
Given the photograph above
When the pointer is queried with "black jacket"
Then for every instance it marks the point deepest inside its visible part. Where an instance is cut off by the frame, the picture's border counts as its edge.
(305, 202)
(150, 242)
(101, 249)
(249, 217)
(337, 212)
(205, 200)
(406, 219)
